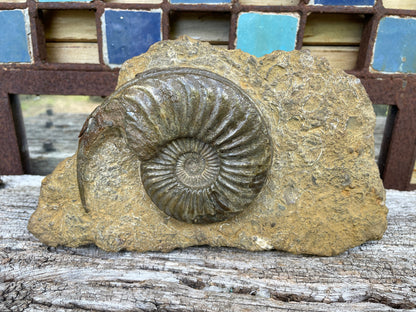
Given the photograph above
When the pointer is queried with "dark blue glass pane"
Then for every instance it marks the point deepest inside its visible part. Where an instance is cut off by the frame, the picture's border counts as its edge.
(130, 33)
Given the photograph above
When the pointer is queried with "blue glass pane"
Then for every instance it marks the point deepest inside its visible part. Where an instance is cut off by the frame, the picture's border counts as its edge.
(395, 47)
(130, 33)
(260, 34)
(65, 0)
(13, 37)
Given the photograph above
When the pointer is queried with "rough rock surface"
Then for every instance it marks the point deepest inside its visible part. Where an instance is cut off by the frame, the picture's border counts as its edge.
(323, 193)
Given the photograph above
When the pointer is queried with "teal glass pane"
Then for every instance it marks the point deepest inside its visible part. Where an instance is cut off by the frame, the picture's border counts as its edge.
(261, 33)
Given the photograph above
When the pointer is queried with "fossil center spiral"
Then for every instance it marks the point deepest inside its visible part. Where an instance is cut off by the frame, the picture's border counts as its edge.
(199, 166)
(192, 164)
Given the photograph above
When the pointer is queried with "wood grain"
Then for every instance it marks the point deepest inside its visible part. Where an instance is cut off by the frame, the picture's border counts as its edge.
(333, 29)
(72, 52)
(377, 276)
(71, 36)
(338, 56)
(400, 4)
(269, 2)
(210, 27)
(69, 25)
(62, 133)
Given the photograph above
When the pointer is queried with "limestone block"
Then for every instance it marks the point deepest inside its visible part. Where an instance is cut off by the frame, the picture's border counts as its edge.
(316, 188)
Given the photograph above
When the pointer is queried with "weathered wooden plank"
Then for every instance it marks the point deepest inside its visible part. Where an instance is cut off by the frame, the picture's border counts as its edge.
(400, 4)
(269, 2)
(71, 36)
(333, 29)
(211, 27)
(377, 276)
(339, 57)
(69, 25)
(51, 139)
(72, 52)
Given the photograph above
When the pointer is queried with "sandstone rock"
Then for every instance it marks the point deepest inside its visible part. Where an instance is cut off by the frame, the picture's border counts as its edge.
(322, 194)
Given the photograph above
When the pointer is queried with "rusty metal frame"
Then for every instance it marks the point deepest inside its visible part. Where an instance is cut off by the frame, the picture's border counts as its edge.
(398, 151)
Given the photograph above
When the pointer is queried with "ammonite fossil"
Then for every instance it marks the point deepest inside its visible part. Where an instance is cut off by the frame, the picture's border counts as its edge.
(204, 149)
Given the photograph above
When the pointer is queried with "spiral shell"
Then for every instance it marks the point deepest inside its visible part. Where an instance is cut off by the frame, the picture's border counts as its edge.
(203, 146)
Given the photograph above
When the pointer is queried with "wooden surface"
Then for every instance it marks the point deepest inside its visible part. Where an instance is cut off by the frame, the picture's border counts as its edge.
(71, 36)
(333, 29)
(339, 57)
(377, 276)
(69, 25)
(51, 139)
(211, 27)
(334, 36)
(400, 4)
(72, 52)
(269, 2)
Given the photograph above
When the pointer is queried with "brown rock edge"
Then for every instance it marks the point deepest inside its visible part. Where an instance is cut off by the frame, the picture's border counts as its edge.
(323, 193)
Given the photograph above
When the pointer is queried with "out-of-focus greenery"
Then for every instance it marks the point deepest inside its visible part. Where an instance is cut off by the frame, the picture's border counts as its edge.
(381, 110)
(33, 105)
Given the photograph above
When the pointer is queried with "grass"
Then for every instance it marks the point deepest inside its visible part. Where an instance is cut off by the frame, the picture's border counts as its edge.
(33, 105)
(381, 110)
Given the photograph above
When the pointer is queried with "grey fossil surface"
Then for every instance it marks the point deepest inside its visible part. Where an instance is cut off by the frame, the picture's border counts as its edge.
(203, 146)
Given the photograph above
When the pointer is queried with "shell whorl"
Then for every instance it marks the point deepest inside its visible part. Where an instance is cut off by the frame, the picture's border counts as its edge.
(203, 146)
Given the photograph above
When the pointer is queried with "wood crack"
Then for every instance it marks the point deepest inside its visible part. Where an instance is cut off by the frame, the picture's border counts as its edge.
(377, 276)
